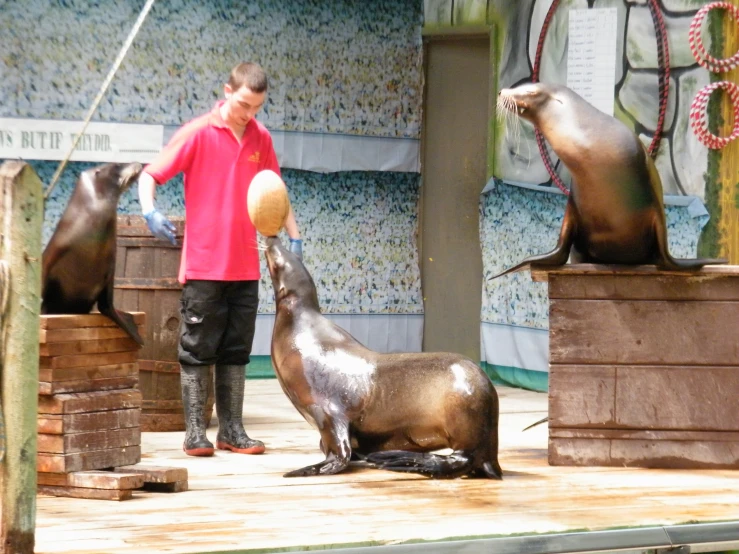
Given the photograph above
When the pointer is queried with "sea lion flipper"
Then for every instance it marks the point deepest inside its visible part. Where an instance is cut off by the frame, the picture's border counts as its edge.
(124, 320)
(561, 252)
(436, 466)
(334, 442)
(664, 259)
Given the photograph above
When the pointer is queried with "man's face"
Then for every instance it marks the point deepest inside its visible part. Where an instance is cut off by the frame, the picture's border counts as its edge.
(242, 104)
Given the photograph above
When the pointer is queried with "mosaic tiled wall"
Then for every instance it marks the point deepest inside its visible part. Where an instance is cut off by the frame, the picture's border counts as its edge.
(335, 67)
(518, 223)
(339, 67)
(359, 230)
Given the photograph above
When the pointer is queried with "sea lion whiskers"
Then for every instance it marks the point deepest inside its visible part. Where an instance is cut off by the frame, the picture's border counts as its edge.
(509, 113)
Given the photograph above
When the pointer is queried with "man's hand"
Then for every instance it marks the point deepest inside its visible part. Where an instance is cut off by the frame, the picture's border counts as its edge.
(160, 226)
(296, 247)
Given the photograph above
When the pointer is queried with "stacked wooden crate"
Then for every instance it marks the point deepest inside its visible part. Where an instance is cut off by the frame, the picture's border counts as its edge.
(644, 366)
(90, 409)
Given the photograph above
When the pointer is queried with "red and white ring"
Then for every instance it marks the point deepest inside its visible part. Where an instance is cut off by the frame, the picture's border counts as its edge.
(695, 40)
(699, 117)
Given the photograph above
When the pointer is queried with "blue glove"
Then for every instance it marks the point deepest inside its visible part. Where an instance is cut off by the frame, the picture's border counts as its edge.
(160, 226)
(296, 247)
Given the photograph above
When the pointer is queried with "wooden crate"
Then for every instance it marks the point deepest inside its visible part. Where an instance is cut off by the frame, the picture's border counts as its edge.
(644, 366)
(89, 415)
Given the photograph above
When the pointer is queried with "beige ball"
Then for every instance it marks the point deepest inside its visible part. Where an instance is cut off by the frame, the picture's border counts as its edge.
(267, 202)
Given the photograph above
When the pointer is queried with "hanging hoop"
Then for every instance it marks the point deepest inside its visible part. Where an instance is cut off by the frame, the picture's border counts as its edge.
(695, 40)
(699, 118)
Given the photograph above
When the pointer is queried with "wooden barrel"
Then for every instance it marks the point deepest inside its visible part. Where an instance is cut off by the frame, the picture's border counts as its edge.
(146, 281)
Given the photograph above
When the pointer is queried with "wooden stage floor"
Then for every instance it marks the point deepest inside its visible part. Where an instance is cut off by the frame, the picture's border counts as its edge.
(242, 503)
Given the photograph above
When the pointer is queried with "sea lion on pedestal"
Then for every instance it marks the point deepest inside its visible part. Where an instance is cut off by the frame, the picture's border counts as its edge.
(392, 410)
(78, 264)
(615, 212)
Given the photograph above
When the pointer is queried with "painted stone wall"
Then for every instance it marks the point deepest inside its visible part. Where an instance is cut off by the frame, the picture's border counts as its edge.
(517, 222)
(340, 67)
(682, 159)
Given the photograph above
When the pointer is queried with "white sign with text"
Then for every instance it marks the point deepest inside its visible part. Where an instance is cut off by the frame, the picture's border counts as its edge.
(42, 139)
(591, 56)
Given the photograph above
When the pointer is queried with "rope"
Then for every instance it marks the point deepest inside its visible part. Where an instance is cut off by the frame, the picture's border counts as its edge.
(663, 59)
(99, 97)
(535, 78)
(663, 63)
(695, 40)
(699, 119)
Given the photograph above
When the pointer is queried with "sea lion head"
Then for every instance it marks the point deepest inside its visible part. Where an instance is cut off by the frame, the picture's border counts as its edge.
(113, 177)
(290, 279)
(531, 99)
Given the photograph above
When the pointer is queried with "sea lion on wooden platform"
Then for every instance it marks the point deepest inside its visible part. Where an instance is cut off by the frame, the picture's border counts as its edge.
(78, 264)
(391, 410)
(615, 212)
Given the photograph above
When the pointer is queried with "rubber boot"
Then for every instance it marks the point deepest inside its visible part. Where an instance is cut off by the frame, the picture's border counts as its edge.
(194, 380)
(229, 405)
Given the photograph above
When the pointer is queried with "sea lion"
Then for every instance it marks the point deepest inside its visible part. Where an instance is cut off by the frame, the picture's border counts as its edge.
(615, 212)
(391, 410)
(78, 264)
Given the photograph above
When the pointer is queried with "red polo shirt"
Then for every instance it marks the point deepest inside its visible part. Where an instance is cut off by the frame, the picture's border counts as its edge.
(220, 241)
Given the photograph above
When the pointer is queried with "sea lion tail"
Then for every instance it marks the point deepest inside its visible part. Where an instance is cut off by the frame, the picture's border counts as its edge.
(515, 268)
(665, 261)
(536, 423)
(436, 466)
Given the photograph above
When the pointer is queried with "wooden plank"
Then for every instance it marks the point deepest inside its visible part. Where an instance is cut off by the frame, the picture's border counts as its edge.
(93, 459)
(92, 494)
(177, 486)
(87, 360)
(157, 422)
(85, 385)
(159, 366)
(149, 283)
(94, 479)
(78, 402)
(156, 474)
(644, 434)
(96, 372)
(698, 398)
(643, 287)
(81, 334)
(162, 406)
(84, 442)
(90, 421)
(634, 332)
(76, 321)
(582, 396)
(542, 274)
(88, 347)
(644, 397)
(673, 454)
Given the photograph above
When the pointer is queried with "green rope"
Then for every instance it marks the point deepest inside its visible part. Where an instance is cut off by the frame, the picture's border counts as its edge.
(4, 295)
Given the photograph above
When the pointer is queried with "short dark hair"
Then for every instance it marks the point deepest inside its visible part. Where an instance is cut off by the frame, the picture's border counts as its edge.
(248, 74)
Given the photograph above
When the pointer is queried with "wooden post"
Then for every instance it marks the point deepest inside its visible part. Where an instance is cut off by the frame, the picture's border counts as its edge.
(21, 216)
(729, 164)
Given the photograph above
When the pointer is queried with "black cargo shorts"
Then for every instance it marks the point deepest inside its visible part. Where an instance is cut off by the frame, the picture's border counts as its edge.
(217, 322)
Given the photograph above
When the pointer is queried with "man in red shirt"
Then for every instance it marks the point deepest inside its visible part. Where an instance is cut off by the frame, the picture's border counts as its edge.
(219, 153)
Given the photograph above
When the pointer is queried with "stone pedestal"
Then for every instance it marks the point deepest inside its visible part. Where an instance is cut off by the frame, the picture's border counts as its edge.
(644, 366)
